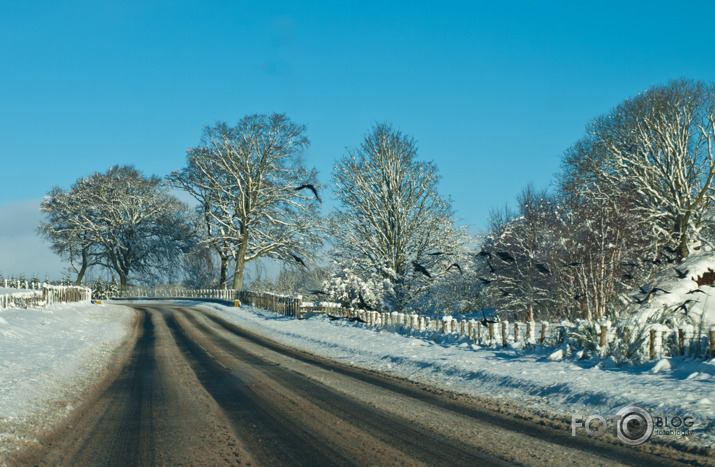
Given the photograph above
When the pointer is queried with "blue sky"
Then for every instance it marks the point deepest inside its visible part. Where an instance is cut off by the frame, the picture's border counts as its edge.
(493, 92)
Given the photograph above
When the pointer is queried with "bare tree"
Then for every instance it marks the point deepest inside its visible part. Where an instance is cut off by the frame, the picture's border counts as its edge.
(248, 181)
(63, 229)
(660, 147)
(195, 181)
(604, 244)
(390, 215)
(138, 228)
(519, 254)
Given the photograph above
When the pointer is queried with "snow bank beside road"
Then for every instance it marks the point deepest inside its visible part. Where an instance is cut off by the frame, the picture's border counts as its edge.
(43, 356)
(673, 387)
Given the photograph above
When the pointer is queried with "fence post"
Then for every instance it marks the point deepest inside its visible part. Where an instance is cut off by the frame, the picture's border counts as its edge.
(681, 341)
(516, 331)
(479, 332)
(658, 338)
(712, 341)
(604, 331)
(542, 339)
(651, 353)
(504, 332)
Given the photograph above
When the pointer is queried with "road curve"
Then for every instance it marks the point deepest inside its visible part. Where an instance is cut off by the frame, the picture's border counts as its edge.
(200, 390)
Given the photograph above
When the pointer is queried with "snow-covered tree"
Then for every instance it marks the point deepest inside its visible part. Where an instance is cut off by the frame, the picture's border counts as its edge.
(391, 221)
(257, 198)
(134, 225)
(63, 228)
(518, 257)
(195, 181)
(660, 147)
(602, 245)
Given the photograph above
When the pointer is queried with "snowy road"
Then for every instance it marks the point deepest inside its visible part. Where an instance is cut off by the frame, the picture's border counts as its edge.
(199, 390)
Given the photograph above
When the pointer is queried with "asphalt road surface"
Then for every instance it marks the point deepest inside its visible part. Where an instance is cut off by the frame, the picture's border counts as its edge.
(197, 390)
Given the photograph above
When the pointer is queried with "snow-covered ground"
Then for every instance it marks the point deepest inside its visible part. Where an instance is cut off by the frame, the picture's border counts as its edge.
(676, 387)
(47, 357)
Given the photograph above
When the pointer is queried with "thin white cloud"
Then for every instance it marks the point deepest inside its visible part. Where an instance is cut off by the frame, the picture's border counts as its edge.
(22, 251)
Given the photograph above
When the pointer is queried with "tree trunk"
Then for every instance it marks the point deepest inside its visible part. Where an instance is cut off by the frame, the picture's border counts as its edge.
(80, 275)
(240, 261)
(682, 249)
(224, 271)
(83, 269)
(238, 273)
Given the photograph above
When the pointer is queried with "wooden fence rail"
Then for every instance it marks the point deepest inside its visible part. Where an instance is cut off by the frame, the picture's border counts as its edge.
(45, 295)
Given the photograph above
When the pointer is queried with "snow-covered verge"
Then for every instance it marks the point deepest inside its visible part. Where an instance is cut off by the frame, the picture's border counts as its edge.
(675, 387)
(47, 358)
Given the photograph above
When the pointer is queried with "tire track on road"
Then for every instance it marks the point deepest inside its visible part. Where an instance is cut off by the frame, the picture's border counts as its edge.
(415, 442)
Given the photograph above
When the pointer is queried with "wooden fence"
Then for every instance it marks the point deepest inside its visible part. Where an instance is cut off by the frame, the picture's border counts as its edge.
(282, 304)
(659, 340)
(46, 295)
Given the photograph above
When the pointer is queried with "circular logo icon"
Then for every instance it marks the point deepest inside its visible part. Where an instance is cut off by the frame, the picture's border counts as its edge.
(634, 425)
